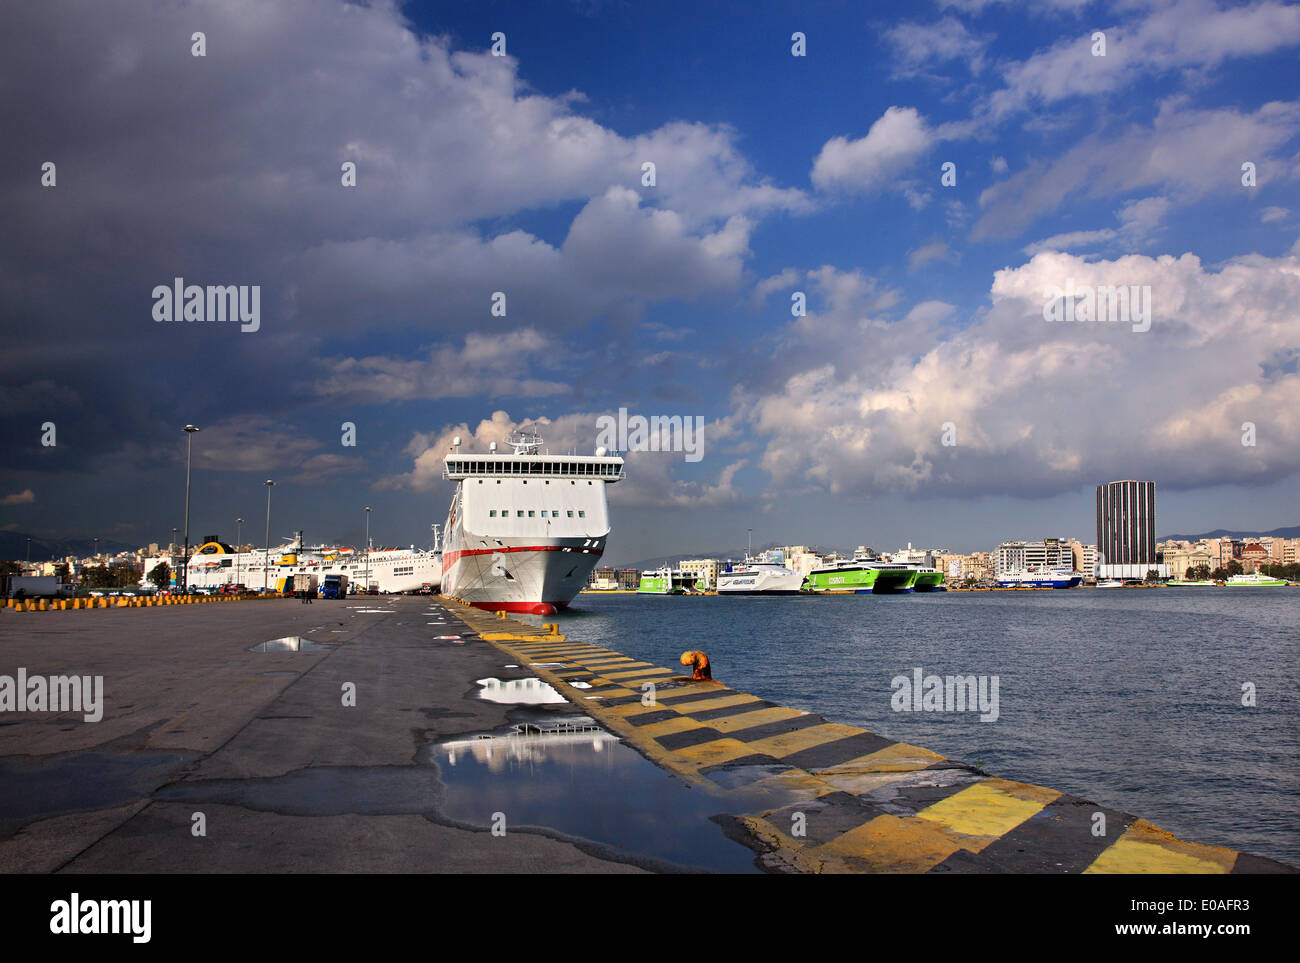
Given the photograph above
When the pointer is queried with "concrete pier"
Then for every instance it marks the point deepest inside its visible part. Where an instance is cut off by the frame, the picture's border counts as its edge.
(317, 760)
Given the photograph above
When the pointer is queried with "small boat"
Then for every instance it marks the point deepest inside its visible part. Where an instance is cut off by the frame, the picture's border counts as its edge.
(1110, 583)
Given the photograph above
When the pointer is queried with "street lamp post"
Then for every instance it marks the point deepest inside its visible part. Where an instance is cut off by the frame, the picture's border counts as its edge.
(266, 562)
(185, 562)
(367, 548)
(239, 525)
(29, 551)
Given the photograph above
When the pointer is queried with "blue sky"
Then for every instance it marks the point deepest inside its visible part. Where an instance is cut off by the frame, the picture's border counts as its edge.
(775, 174)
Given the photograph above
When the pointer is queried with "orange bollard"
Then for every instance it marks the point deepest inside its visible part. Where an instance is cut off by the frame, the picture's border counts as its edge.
(701, 663)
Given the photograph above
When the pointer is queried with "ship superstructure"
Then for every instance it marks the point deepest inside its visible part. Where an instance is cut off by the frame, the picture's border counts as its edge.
(525, 527)
(293, 566)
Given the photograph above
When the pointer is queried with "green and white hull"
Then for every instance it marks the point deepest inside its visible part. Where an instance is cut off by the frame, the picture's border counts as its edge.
(1254, 580)
(928, 580)
(848, 580)
(877, 577)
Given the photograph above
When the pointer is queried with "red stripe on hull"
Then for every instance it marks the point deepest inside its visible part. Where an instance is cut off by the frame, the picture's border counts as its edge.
(526, 607)
(450, 558)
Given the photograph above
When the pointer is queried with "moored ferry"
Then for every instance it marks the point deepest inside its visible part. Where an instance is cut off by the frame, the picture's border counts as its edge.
(525, 528)
(294, 566)
(1057, 578)
(1255, 579)
(764, 575)
(866, 572)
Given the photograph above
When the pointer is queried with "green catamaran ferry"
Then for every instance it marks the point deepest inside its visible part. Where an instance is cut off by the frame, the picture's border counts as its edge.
(862, 575)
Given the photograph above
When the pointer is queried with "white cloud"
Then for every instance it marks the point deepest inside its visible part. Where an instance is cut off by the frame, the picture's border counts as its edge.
(650, 476)
(1180, 35)
(923, 255)
(487, 365)
(877, 160)
(1270, 214)
(918, 46)
(1186, 153)
(1042, 408)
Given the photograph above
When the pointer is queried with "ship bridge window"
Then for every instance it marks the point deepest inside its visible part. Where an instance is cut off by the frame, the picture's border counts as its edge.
(570, 514)
(543, 513)
(582, 514)
(519, 514)
(531, 513)
(492, 513)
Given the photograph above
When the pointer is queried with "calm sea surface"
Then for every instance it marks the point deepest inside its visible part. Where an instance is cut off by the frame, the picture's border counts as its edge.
(1129, 697)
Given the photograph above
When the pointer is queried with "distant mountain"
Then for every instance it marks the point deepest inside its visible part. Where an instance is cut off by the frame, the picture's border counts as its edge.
(13, 545)
(1292, 532)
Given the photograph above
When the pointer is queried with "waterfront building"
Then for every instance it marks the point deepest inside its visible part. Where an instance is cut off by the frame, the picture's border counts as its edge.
(1048, 553)
(1253, 556)
(804, 562)
(701, 570)
(628, 578)
(1126, 530)
(1085, 558)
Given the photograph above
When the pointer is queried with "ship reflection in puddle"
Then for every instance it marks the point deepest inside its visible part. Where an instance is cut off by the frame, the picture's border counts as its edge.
(521, 692)
(568, 774)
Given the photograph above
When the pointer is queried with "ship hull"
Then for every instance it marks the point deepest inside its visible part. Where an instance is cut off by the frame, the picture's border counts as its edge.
(759, 581)
(519, 575)
(856, 580)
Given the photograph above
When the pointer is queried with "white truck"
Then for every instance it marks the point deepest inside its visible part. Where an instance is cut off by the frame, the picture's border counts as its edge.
(35, 587)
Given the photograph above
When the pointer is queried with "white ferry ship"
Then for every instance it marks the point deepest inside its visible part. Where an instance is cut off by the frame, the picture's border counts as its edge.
(525, 528)
(1044, 578)
(293, 566)
(764, 575)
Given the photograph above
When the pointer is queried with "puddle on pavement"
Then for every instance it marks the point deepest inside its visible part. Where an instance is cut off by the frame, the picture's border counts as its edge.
(290, 643)
(33, 788)
(524, 692)
(570, 775)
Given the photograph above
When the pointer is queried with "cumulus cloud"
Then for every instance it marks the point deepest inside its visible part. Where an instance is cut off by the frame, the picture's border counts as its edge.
(1042, 408)
(651, 477)
(227, 169)
(876, 160)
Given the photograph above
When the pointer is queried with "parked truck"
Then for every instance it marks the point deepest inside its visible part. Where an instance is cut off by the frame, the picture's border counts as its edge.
(35, 587)
(334, 587)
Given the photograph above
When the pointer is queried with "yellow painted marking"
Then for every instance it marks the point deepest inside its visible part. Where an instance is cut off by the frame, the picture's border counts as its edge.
(900, 757)
(1145, 848)
(788, 743)
(713, 753)
(745, 720)
(722, 702)
(888, 844)
(636, 674)
(792, 780)
(669, 726)
(631, 709)
(990, 808)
